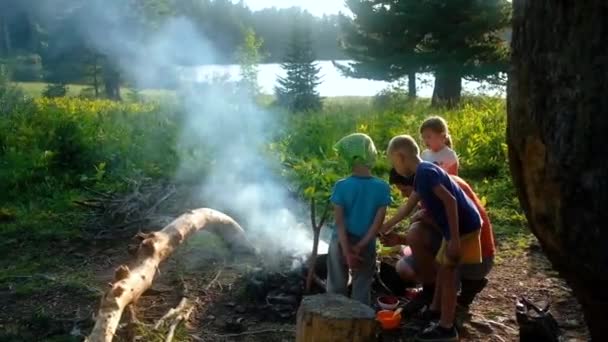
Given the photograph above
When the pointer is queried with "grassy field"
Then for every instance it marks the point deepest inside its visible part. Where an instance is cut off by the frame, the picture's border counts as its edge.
(35, 89)
(53, 152)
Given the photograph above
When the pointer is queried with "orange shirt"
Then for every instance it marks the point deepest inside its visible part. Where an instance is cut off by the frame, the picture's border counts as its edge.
(486, 234)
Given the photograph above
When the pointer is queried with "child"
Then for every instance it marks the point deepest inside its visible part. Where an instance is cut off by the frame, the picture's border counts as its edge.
(360, 202)
(436, 137)
(456, 217)
(472, 277)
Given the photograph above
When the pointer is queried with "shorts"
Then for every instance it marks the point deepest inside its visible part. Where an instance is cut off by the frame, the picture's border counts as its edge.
(470, 250)
(476, 271)
(435, 238)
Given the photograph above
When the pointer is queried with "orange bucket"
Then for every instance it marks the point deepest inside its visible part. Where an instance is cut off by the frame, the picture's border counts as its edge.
(388, 320)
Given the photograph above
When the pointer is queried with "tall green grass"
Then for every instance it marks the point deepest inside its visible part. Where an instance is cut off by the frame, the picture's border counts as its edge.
(52, 149)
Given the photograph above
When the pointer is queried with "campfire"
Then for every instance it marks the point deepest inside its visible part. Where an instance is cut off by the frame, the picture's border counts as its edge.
(276, 291)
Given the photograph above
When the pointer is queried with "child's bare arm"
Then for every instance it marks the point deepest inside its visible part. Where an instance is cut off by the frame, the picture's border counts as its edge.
(451, 207)
(342, 237)
(374, 229)
(403, 212)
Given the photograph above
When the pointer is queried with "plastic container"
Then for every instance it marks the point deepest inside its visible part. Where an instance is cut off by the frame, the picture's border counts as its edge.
(388, 320)
(388, 302)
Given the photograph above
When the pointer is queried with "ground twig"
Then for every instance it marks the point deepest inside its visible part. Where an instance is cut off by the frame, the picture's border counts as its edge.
(173, 312)
(213, 280)
(180, 318)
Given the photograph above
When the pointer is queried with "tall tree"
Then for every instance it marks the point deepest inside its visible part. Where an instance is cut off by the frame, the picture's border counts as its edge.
(298, 90)
(380, 42)
(556, 126)
(454, 39)
(249, 57)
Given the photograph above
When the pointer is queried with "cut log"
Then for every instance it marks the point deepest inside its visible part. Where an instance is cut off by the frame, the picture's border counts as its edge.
(131, 282)
(335, 318)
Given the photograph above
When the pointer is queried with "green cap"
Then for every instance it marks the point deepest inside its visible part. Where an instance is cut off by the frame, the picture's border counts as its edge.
(357, 149)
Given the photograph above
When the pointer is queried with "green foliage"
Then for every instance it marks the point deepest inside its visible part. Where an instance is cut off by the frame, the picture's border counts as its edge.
(394, 97)
(55, 90)
(388, 39)
(249, 56)
(477, 127)
(297, 90)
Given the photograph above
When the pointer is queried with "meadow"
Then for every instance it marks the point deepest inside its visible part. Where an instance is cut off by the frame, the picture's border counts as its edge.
(53, 149)
(58, 152)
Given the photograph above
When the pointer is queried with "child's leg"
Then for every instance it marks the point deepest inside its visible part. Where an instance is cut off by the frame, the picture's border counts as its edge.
(337, 271)
(436, 304)
(363, 277)
(448, 295)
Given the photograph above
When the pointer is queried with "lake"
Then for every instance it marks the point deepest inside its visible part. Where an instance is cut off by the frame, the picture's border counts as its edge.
(333, 82)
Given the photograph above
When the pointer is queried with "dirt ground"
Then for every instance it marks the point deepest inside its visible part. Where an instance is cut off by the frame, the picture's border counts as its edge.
(214, 282)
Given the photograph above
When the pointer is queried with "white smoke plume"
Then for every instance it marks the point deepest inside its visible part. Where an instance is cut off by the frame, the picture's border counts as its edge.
(241, 178)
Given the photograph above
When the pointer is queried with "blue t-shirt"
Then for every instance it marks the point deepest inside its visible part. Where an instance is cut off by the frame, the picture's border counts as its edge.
(428, 176)
(361, 197)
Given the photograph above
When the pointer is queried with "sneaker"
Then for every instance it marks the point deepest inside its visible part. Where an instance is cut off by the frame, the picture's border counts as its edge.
(437, 333)
(430, 315)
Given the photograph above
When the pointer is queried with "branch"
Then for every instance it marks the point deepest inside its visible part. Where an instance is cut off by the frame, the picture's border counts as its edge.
(130, 283)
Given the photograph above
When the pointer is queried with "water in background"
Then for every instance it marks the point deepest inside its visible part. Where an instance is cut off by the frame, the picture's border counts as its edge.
(333, 82)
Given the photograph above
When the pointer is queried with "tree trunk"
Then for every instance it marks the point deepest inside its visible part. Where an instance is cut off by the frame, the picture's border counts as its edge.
(5, 47)
(411, 85)
(111, 82)
(130, 283)
(557, 123)
(448, 86)
(334, 318)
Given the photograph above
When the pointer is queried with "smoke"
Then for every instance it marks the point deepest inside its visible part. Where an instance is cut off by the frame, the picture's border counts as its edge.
(221, 128)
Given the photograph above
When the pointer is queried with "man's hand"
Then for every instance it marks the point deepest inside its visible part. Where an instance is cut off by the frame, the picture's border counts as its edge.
(453, 251)
(391, 239)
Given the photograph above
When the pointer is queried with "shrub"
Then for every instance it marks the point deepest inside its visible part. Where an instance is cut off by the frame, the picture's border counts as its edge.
(55, 90)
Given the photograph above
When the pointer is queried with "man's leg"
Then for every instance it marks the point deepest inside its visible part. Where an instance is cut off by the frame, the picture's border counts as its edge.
(424, 242)
(363, 277)
(337, 271)
(473, 280)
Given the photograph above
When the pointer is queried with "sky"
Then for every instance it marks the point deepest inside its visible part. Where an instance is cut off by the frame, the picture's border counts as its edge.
(316, 7)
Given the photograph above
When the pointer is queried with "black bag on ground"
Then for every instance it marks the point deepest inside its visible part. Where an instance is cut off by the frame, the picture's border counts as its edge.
(535, 324)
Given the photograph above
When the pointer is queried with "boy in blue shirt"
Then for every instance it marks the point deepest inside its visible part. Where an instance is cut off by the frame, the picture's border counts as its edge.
(457, 218)
(360, 202)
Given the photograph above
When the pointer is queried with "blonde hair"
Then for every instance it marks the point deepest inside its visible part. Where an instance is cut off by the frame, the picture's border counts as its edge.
(438, 125)
(403, 143)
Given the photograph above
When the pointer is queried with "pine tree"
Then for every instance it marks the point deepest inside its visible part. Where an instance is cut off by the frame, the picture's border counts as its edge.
(297, 91)
(454, 39)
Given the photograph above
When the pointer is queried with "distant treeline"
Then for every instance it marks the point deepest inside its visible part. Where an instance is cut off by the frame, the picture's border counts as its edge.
(41, 40)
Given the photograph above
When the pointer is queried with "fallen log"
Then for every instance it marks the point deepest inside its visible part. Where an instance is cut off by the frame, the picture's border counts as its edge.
(334, 318)
(131, 282)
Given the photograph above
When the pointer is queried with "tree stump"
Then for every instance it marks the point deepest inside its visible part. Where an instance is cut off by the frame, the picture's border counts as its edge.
(335, 318)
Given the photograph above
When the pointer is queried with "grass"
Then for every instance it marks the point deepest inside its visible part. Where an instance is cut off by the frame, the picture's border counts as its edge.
(35, 89)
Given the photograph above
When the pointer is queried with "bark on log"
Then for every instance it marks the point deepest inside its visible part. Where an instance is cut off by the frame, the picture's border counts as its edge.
(557, 121)
(131, 282)
(334, 318)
